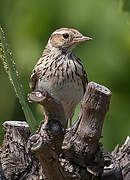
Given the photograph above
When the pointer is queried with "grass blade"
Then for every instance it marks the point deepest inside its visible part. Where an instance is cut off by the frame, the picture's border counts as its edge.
(9, 65)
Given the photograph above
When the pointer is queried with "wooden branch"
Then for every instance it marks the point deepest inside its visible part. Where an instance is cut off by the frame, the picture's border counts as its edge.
(47, 142)
(81, 143)
(122, 158)
(64, 155)
(16, 161)
(86, 132)
(53, 108)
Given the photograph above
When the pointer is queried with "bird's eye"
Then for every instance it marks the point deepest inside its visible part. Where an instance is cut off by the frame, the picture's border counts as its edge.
(66, 35)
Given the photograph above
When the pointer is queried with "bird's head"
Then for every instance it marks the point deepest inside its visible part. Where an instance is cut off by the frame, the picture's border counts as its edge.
(66, 39)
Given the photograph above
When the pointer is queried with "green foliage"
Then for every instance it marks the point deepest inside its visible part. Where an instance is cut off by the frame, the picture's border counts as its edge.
(9, 65)
(126, 5)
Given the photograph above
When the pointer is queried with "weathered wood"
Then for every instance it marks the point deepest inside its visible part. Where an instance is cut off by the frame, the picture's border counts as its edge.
(84, 137)
(122, 156)
(52, 108)
(17, 162)
(47, 142)
(117, 164)
(81, 142)
(74, 153)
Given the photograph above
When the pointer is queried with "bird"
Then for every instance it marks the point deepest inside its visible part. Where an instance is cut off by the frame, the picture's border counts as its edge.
(60, 72)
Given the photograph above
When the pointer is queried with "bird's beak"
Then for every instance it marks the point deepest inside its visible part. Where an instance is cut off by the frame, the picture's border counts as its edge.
(81, 39)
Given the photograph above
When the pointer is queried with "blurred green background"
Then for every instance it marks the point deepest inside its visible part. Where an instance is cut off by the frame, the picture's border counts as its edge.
(28, 25)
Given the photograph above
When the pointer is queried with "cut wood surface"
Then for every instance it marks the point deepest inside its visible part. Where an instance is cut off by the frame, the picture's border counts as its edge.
(56, 153)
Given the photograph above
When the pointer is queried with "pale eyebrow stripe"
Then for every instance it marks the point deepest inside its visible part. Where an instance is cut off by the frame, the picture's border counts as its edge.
(61, 32)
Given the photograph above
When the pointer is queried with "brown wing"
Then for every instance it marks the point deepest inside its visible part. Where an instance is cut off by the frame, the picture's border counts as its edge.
(83, 76)
(34, 77)
(84, 80)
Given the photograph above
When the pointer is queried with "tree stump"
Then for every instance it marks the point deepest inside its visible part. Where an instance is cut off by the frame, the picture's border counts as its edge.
(56, 153)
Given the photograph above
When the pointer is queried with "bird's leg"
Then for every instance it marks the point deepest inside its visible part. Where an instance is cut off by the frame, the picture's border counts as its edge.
(71, 122)
(45, 116)
(68, 122)
(66, 125)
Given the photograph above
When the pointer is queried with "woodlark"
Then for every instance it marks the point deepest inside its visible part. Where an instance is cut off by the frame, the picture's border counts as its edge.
(60, 72)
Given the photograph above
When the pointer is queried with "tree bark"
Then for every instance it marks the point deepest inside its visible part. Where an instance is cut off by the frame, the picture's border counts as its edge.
(16, 161)
(56, 153)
